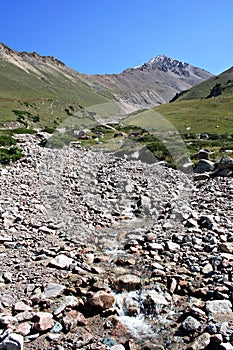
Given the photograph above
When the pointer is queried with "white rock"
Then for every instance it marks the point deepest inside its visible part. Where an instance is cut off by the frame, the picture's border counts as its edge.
(61, 261)
(219, 306)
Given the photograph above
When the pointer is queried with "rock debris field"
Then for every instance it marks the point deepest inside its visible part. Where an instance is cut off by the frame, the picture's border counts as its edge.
(104, 253)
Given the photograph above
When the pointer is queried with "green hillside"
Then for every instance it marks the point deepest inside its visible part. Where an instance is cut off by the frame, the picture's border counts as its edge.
(219, 85)
(192, 114)
(43, 97)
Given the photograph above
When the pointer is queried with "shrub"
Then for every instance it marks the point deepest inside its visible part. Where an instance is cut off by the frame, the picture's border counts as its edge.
(11, 154)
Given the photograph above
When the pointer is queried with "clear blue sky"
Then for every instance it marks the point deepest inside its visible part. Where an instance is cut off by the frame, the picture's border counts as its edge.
(107, 36)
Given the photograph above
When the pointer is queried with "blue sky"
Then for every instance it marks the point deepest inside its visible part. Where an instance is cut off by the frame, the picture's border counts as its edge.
(107, 36)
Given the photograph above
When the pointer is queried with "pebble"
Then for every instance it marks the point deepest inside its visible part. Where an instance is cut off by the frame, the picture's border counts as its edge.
(79, 228)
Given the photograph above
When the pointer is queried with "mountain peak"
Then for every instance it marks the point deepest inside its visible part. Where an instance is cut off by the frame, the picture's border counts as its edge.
(166, 64)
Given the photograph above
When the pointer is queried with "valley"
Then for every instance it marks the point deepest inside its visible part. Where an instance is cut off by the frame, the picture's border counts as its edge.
(116, 206)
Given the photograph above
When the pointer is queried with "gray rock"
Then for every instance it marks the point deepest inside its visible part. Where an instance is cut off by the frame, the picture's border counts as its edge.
(226, 163)
(204, 166)
(190, 324)
(61, 261)
(118, 347)
(53, 290)
(172, 247)
(200, 342)
(218, 307)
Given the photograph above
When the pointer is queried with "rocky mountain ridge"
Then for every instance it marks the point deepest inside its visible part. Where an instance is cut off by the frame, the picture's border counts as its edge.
(154, 82)
(146, 86)
(4, 49)
(166, 64)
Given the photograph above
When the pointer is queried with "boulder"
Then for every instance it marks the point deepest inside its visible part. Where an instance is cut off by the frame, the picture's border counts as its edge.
(204, 166)
(101, 300)
(218, 306)
(61, 261)
(200, 342)
(127, 282)
(190, 324)
(43, 321)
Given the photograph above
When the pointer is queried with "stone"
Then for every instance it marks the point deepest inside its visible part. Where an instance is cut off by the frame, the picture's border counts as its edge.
(23, 328)
(6, 320)
(118, 347)
(58, 310)
(218, 307)
(202, 154)
(155, 246)
(53, 290)
(127, 282)
(70, 300)
(207, 269)
(13, 341)
(203, 166)
(43, 321)
(153, 298)
(216, 338)
(172, 247)
(7, 276)
(24, 316)
(190, 324)
(56, 328)
(73, 319)
(226, 162)
(102, 300)
(20, 306)
(61, 261)
(226, 247)
(226, 346)
(200, 342)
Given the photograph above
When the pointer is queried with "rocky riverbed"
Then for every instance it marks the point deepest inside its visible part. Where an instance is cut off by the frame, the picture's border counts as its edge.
(100, 252)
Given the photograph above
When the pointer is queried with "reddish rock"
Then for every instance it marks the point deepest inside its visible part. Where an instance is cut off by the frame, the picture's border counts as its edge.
(72, 319)
(20, 306)
(43, 321)
(127, 282)
(23, 328)
(101, 300)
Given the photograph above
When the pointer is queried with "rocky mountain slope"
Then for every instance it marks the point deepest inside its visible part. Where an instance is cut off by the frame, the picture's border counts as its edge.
(46, 88)
(152, 83)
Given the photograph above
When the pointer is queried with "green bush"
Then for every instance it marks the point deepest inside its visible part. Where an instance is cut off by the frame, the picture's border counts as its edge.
(11, 154)
(7, 140)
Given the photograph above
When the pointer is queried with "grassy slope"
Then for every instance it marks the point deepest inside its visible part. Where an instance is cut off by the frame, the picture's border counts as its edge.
(213, 115)
(202, 90)
(192, 114)
(48, 96)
